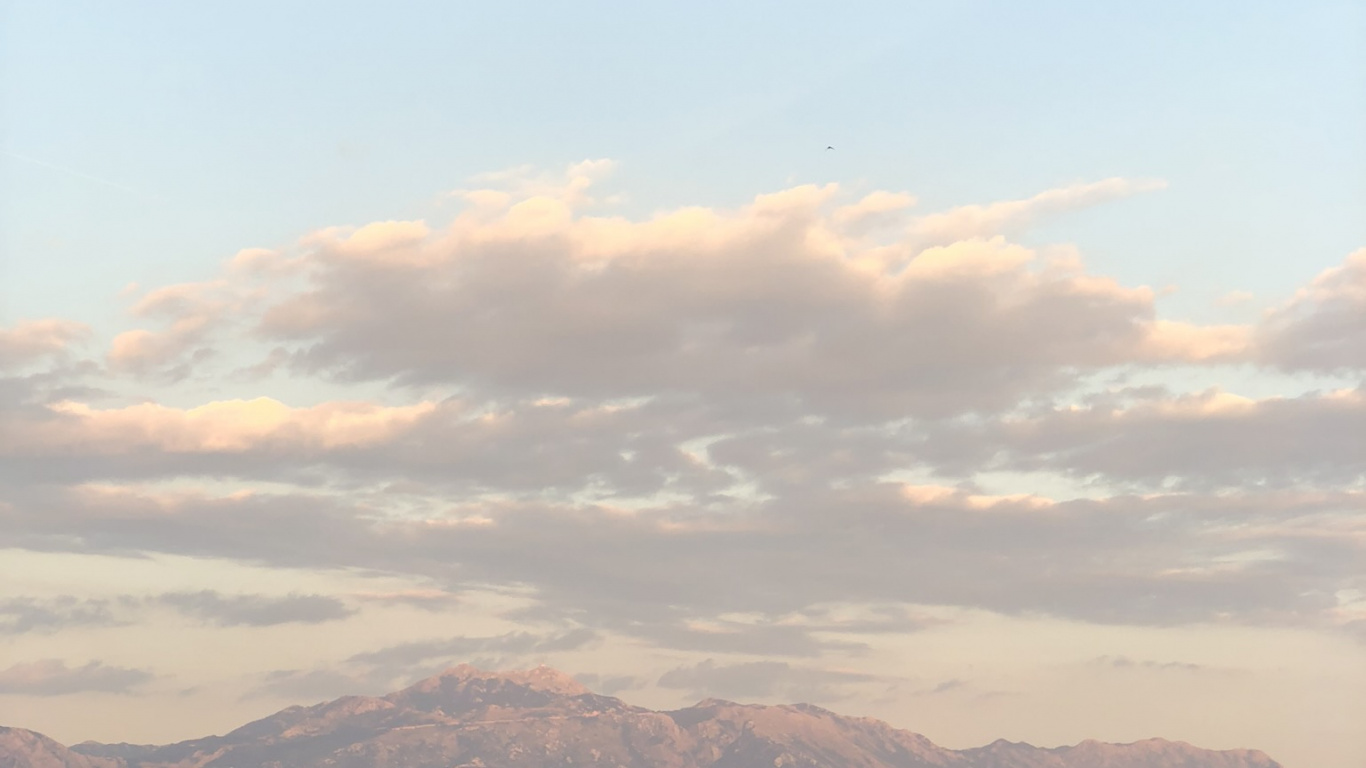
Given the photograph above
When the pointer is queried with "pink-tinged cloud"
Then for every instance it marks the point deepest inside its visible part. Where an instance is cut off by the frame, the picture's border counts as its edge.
(383, 242)
(775, 300)
(975, 221)
(32, 340)
(191, 313)
(1323, 328)
(876, 210)
(1171, 341)
(227, 426)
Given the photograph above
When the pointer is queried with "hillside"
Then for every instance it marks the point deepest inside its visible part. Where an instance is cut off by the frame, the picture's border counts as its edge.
(540, 718)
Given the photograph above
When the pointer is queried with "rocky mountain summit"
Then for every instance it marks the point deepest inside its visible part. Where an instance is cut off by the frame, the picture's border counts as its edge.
(469, 718)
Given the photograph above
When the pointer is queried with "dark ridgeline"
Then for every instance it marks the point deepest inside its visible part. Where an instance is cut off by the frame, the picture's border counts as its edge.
(542, 718)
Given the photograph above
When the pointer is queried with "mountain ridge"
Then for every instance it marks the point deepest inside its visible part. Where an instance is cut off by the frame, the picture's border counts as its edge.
(541, 718)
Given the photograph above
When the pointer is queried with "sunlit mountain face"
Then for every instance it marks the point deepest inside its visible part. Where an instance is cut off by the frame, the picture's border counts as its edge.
(541, 718)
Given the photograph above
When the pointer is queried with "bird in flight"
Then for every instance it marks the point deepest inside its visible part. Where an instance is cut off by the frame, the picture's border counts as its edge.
(829, 147)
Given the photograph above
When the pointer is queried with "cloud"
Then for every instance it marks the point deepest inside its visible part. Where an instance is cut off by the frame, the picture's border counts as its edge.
(434, 600)
(689, 429)
(761, 680)
(381, 243)
(590, 351)
(1208, 439)
(876, 210)
(311, 685)
(1124, 662)
(256, 610)
(52, 677)
(1256, 557)
(570, 186)
(381, 670)
(772, 301)
(980, 221)
(519, 448)
(32, 340)
(446, 651)
(220, 427)
(610, 685)
(1323, 328)
(946, 686)
(1170, 341)
(191, 311)
(20, 615)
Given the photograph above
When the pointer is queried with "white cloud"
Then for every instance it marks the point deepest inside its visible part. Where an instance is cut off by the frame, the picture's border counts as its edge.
(979, 221)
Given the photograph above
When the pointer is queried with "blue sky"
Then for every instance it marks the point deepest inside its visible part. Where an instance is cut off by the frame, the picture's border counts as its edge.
(341, 342)
(220, 126)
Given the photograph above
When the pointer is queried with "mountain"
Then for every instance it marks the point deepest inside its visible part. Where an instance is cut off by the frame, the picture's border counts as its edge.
(469, 718)
(25, 749)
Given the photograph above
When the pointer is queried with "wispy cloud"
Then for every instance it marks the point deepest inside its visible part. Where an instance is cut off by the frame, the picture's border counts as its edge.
(52, 677)
(20, 615)
(69, 171)
(256, 610)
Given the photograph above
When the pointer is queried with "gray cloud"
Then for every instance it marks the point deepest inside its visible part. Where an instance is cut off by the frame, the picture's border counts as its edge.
(52, 677)
(761, 680)
(764, 304)
(454, 446)
(946, 686)
(309, 685)
(1324, 327)
(433, 600)
(256, 610)
(610, 685)
(663, 424)
(1172, 559)
(1131, 440)
(382, 670)
(810, 380)
(1201, 441)
(20, 615)
(457, 649)
(1124, 662)
(37, 340)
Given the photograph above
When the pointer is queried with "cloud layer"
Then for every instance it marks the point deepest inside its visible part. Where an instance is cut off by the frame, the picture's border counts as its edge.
(754, 440)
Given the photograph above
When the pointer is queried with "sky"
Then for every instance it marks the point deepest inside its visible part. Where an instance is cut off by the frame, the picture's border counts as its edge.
(341, 343)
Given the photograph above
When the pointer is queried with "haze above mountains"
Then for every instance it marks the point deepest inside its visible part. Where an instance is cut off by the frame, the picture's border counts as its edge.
(466, 717)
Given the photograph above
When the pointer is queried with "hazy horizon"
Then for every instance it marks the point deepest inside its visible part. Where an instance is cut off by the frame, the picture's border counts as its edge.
(341, 344)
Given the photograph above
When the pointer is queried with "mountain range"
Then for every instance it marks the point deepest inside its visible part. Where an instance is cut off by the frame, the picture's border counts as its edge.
(469, 718)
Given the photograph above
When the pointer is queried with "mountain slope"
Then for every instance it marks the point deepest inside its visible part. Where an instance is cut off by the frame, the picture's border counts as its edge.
(543, 718)
(25, 749)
